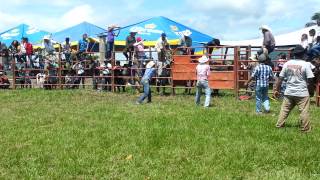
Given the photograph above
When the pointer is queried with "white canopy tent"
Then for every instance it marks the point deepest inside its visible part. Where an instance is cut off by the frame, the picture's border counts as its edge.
(289, 39)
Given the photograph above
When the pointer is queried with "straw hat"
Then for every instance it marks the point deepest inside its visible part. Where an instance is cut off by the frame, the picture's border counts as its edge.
(203, 59)
(150, 64)
(265, 27)
(253, 57)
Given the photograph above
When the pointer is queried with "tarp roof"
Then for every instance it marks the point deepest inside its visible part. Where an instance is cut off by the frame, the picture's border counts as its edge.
(34, 35)
(75, 32)
(289, 39)
(151, 29)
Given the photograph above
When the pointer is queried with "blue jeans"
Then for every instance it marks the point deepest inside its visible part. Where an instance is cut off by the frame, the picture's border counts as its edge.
(203, 84)
(109, 49)
(146, 91)
(262, 98)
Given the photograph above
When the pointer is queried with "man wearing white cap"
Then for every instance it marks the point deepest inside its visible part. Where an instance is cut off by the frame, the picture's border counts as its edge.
(186, 43)
(203, 72)
(268, 39)
(48, 46)
(145, 81)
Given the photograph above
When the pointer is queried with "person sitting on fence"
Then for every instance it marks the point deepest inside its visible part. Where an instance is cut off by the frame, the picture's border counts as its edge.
(140, 55)
(262, 74)
(14, 50)
(27, 46)
(314, 51)
(203, 73)
(66, 49)
(83, 47)
(186, 43)
(268, 39)
(4, 81)
(304, 41)
(118, 77)
(110, 40)
(312, 39)
(162, 46)
(48, 46)
(145, 81)
(129, 48)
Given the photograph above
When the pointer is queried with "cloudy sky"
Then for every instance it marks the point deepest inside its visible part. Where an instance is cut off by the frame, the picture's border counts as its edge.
(224, 19)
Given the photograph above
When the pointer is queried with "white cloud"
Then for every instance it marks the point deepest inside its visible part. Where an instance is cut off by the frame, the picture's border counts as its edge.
(77, 15)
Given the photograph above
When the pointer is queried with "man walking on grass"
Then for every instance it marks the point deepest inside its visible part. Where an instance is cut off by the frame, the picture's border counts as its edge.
(262, 74)
(298, 74)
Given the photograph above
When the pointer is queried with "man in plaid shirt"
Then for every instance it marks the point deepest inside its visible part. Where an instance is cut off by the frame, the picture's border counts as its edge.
(262, 74)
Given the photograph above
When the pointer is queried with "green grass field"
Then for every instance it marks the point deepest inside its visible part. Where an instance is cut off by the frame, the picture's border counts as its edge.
(89, 135)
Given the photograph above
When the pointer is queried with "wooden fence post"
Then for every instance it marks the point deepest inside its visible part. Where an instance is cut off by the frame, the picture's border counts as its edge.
(236, 67)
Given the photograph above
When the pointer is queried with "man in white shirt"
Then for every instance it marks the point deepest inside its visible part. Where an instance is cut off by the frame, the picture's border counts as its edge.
(298, 74)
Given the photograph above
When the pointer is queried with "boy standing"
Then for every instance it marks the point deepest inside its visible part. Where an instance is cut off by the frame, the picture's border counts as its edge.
(262, 74)
(203, 72)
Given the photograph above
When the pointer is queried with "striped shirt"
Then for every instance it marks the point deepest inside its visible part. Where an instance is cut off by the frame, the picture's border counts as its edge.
(262, 74)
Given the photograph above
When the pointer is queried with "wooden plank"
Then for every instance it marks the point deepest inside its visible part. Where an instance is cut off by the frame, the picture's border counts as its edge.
(184, 68)
(182, 59)
(224, 76)
(221, 84)
(184, 76)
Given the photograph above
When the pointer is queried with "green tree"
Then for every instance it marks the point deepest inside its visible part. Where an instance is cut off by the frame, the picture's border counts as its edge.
(316, 16)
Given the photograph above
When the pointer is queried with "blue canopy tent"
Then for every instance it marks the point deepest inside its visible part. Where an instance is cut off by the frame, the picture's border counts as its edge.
(75, 34)
(151, 29)
(34, 35)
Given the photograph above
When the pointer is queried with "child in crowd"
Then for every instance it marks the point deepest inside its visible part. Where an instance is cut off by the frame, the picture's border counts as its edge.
(203, 72)
(262, 74)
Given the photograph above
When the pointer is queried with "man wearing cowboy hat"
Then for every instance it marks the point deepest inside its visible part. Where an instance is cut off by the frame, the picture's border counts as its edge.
(268, 39)
(130, 40)
(110, 40)
(186, 43)
(203, 72)
(262, 74)
(145, 81)
(298, 74)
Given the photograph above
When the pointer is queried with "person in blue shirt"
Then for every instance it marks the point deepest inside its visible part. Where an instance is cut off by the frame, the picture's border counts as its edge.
(262, 74)
(83, 45)
(145, 81)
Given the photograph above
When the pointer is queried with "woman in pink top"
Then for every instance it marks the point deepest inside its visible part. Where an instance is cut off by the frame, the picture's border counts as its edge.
(203, 72)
